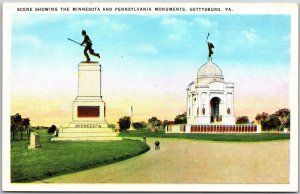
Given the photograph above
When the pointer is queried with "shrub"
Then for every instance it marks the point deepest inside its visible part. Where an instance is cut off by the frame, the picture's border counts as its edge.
(180, 119)
(272, 122)
(139, 125)
(242, 120)
(51, 129)
(124, 123)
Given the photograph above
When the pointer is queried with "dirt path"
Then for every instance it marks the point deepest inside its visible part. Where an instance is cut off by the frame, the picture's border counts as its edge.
(186, 161)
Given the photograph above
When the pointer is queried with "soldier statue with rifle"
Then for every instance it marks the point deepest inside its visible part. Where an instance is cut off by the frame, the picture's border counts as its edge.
(88, 46)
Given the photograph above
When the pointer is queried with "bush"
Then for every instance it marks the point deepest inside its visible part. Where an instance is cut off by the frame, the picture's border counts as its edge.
(124, 123)
(272, 122)
(242, 120)
(51, 129)
(180, 119)
(139, 125)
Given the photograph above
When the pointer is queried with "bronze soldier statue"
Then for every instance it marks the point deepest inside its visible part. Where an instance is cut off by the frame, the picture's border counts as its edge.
(210, 47)
(88, 46)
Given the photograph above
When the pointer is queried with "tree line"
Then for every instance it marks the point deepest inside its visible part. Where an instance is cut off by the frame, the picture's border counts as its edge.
(18, 125)
(153, 123)
(278, 120)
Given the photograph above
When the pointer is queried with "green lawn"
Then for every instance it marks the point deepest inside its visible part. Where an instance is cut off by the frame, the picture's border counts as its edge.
(55, 158)
(209, 137)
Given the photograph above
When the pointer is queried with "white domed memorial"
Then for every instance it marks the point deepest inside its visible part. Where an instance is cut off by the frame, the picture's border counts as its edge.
(210, 100)
(210, 103)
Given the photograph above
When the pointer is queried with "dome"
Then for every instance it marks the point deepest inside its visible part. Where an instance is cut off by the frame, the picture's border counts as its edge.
(210, 71)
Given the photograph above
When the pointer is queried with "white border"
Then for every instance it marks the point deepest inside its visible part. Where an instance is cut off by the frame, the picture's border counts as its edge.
(254, 8)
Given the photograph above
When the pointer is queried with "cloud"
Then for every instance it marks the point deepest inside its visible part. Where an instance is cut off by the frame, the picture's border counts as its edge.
(33, 19)
(205, 22)
(250, 35)
(179, 28)
(173, 22)
(174, 37)
(148, 49)
(85, 23)
(116, 26)
(119, 26)
(26, 40)
(104, 19)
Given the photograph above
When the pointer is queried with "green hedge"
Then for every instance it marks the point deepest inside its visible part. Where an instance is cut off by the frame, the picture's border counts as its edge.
(209, 137)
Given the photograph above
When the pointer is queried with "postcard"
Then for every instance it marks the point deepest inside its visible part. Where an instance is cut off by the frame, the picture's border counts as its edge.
(150, 97)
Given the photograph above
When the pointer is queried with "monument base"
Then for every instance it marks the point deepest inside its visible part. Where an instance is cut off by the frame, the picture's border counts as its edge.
(88, 115)
(222, 129)
(206, 120)
(86, 134)
(131, 128)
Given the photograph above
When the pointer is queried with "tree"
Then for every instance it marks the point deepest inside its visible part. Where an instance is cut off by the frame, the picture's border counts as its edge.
(12, 127)
(272, 122)
(154, 122)
(180, 119)
(242, 120)
(51, 129)
(284, 116)
(261, 117)
(25, 123)
(124, 123)
(139, 125)
(15, 123)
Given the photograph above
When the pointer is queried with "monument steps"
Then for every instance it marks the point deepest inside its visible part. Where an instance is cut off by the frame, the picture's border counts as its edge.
(86, 130)
(87, 135)
(86, 138)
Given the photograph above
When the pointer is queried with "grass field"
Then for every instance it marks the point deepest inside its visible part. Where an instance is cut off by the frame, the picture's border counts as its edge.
(209, 137)
(55, 158)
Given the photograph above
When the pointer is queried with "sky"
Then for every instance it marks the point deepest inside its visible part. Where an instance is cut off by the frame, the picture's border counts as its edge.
(147, 62)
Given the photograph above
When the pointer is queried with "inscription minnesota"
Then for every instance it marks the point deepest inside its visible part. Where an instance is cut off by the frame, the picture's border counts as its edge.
(88, 125)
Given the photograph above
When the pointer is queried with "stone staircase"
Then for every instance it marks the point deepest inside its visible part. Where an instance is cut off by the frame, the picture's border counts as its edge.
(86, 134)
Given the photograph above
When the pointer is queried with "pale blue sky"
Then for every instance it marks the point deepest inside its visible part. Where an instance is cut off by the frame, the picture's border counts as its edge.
(154, 56)
(254, 39)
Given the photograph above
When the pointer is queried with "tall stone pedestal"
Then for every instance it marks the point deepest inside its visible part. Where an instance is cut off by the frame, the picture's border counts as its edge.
(88, 115)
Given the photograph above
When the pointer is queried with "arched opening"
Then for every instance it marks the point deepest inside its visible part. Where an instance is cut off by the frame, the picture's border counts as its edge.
(214, 110)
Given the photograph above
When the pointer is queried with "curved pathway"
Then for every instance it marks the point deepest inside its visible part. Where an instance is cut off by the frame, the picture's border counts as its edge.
(188, 161)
